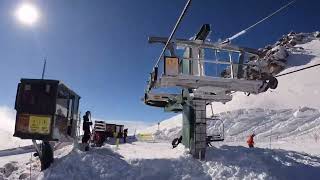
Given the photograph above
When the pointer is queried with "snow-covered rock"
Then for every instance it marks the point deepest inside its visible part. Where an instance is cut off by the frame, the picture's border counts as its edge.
(293, 91)
(276, 56)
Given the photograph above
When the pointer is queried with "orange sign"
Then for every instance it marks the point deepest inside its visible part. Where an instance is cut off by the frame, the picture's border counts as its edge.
(22, 124)
(171, 66)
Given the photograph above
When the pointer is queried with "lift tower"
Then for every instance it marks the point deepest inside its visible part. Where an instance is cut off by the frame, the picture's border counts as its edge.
(205, 72)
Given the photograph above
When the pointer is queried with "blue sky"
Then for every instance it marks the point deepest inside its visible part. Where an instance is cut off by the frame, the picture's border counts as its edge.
(99, 48)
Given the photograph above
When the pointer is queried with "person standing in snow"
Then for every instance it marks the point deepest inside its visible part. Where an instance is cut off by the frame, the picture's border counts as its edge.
(125, 134)
(250, 141)
(86, 128)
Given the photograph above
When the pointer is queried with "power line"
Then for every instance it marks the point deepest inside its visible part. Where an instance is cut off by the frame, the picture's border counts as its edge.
(308, 67)
(44, 68)
(173, 31)
(248, 28)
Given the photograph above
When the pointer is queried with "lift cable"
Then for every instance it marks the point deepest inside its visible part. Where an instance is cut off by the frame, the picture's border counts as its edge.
(173, 31)
(308, 67)
(267, 17)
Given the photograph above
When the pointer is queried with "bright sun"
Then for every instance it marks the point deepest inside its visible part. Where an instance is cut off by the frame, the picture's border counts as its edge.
(27, 14)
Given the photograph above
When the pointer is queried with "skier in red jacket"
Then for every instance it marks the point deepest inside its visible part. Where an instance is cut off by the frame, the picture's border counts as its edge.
(250, 141)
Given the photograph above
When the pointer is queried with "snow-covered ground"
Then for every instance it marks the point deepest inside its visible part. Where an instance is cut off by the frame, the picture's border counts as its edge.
(294, 153)
(159, 161)
(287, 146)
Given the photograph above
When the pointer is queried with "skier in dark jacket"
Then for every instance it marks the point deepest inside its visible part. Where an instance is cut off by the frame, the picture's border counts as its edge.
(125, 134)
(86, 127)
(176, 142)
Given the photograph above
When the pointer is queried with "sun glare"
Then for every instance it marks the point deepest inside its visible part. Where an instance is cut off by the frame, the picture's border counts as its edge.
(27, 14)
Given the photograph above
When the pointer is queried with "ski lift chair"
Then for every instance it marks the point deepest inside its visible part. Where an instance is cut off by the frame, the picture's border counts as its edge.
(218, 132)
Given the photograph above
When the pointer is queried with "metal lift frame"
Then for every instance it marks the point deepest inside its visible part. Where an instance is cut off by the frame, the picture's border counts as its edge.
(197, 89)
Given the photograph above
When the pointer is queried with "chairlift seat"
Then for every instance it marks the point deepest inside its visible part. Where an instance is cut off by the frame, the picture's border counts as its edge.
(158, 100)
(215, 138)
(99, 126)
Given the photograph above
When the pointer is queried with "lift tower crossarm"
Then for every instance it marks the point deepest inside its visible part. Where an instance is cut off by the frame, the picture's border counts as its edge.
(204, 44)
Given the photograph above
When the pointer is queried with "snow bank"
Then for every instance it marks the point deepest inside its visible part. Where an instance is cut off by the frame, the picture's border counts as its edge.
(225, 162)
(238, 162)
(105, 163)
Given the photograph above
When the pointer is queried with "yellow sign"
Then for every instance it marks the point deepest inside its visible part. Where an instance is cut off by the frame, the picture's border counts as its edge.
(145, 137)
(39, 124)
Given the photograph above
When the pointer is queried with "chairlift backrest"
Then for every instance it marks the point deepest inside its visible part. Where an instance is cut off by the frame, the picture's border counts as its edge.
(216, 133)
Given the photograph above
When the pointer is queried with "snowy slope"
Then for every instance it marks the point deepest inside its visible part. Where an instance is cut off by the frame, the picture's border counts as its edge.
(238, 124)
(167, 130)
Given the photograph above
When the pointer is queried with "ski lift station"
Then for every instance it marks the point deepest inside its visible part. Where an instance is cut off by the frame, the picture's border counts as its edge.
(47, 110)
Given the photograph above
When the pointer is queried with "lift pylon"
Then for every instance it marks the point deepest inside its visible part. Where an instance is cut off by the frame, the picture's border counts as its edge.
(205, 72)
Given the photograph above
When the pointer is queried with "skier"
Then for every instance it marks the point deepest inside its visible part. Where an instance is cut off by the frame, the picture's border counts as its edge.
(208, 141)
(125, 134)
(176, 142)
(86, 128)
(250, 141)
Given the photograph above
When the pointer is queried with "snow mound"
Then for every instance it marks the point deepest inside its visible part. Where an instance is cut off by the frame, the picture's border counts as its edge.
(305, 112)
(225, 162)
(104, 163)
(238, 162)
